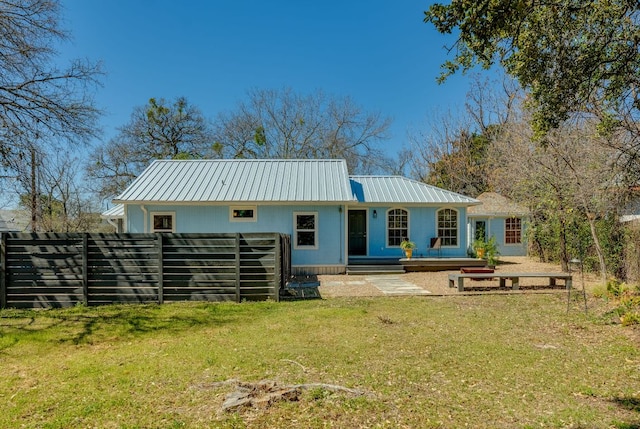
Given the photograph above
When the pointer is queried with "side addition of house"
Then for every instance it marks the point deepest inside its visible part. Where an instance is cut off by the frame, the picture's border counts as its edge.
(501, 218)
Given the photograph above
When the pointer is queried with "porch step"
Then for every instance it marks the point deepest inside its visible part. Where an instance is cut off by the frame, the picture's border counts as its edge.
(360, 269)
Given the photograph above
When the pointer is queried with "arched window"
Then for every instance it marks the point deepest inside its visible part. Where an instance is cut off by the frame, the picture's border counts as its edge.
(397, 226)
(448, 227)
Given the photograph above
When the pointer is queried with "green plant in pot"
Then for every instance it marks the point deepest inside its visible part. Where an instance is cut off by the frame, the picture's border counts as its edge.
(408, 247)
(487, 250)
(479, 247)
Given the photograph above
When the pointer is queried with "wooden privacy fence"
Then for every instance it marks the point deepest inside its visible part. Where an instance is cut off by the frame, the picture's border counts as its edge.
(61, 270)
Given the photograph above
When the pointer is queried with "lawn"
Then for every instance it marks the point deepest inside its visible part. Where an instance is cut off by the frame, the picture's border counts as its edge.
(516, 361)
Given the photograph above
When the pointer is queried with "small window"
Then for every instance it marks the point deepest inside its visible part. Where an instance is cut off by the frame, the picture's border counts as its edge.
(513, 230)
(306, 230)
(448, 227)
(163, 222)
(243, 214)
(397, 226)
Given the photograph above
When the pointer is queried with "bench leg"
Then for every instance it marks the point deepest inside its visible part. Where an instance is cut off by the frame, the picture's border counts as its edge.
(568, 283)
(460, 284)
(515, 283)
(503, 282)
(451, 283)
(552, 281)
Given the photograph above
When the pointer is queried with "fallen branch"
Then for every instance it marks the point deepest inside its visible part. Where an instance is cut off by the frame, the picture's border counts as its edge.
(296, 363)
(264, 393)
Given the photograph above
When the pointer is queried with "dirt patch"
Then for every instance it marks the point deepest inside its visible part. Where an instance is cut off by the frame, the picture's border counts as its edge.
(438, 284)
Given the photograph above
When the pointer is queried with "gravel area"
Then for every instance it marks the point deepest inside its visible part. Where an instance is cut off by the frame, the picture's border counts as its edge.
(437, 282)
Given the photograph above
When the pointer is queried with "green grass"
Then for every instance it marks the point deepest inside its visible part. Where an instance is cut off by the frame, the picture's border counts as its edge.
(482, 361)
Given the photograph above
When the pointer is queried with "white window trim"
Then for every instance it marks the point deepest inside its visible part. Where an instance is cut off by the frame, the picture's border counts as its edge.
(295, 230)
(173, 221)
(457, 246)
(505, 232)
(243, 219)
(386, 227)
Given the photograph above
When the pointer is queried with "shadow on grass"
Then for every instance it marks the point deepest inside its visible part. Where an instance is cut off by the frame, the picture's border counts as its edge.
(88, 325)
(629, 404)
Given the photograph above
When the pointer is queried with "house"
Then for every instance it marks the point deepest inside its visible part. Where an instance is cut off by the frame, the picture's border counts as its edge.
(501, 218)
(330, 215)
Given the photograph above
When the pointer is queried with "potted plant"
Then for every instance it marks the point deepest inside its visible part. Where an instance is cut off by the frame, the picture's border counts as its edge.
(491, 252)
(479, 246)
(408, 247)
(487, 250)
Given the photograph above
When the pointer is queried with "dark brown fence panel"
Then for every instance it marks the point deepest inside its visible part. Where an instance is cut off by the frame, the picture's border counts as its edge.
(199, 267)
(43, 270)
(285, 259)
(122, 268)
(259, 278)
(59, 270)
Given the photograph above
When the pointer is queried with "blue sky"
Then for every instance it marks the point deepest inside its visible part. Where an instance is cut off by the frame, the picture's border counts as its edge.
(378, 52)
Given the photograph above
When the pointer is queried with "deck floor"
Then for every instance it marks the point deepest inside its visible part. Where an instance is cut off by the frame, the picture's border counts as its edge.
(421, 264)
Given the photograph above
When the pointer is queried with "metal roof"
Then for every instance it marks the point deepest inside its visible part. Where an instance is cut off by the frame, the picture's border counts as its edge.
(494, 204)
(115, 212)
(15, 220)
(400, 190)
(240, 180)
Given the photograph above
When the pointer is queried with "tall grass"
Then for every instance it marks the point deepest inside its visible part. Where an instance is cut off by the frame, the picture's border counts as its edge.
(481, 361)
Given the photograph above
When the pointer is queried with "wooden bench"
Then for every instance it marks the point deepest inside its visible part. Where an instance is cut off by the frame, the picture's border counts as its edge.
(458, 278)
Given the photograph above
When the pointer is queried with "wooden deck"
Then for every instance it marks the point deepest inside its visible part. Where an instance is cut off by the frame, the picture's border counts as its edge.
(395, 265)
(440, 264)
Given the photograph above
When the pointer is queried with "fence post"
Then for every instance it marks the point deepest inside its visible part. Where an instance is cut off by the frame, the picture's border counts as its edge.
(3, 271)
(238, 296)
(160, 244)
(277, 265)
(85, 268)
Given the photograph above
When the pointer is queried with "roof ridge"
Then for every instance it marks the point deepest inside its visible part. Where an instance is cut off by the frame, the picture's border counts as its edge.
(252, 160)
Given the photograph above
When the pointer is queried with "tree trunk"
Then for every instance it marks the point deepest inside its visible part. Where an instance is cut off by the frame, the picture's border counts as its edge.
(596, 243)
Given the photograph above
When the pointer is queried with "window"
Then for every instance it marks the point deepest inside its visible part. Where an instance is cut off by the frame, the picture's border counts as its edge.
(163, 222)
(306, 230)
(513, 230)
(448, 227)
(243, 214)
(397, 226)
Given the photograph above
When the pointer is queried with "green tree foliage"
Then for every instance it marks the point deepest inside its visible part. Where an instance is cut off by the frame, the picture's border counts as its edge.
(570, 55)
(464, 169)
(158, 130)
(285, 124)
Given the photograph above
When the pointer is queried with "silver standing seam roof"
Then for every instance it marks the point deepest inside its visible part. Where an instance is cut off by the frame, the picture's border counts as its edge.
(240, 180)
(400, 190)
(274, 181)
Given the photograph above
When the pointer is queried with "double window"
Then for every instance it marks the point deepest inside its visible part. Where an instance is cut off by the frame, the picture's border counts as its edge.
(305, 230)
(448, 227)
(513, 230)
(397, 226)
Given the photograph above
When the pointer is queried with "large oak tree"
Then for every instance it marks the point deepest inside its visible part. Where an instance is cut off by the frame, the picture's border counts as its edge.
(570, 55)
(158, 130)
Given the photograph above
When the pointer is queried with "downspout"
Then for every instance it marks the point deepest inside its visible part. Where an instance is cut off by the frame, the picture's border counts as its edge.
(146, 215)
(113, 224)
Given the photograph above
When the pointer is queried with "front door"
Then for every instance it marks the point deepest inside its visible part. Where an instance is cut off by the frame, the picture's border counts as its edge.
(357, 232)
(481, 230)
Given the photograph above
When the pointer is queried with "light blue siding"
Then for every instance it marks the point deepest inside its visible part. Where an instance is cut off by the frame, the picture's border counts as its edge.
(422, 227)
(496, 228)
(270, 218)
